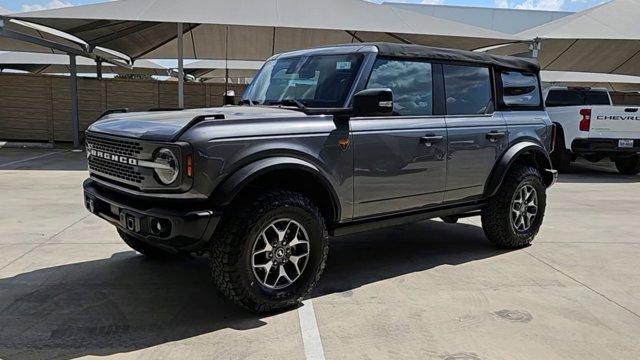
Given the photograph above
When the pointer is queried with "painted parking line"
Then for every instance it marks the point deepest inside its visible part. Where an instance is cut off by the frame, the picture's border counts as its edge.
(29, 159)
(310, 334)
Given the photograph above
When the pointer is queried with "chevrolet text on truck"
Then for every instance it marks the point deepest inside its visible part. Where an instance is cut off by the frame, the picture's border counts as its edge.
(591, 127)
(327, 142)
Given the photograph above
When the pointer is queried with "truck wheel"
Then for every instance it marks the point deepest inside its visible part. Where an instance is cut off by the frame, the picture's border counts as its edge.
(144, 248)
(628, 166)
(513, 217)
(270, 252)
(561, 157)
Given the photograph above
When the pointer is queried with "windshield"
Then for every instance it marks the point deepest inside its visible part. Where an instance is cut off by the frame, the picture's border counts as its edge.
(321, 81)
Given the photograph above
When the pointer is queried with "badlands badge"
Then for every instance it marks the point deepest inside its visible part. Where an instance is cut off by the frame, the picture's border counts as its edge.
(344, 144)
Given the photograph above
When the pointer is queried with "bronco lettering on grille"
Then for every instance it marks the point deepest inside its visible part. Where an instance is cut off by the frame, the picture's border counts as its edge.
(112, 157)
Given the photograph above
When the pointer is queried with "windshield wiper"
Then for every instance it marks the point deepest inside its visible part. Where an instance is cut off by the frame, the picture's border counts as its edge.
(288, 102)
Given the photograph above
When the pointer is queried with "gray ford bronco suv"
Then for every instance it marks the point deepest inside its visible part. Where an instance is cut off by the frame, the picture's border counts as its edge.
(327, 142)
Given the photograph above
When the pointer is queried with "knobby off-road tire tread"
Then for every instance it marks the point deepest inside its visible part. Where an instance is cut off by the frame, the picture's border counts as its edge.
(227, 248)
(496, 221)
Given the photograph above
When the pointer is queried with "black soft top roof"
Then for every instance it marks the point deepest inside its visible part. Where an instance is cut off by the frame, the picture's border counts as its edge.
(411, 51)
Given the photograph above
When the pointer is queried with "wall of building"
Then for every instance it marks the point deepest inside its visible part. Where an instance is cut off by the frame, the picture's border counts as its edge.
(38, 107)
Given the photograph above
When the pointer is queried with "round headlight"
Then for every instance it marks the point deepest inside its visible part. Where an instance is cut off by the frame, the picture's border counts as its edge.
(168, 170)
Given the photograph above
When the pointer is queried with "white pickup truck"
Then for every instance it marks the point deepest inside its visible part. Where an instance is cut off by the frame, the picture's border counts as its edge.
(592, 126)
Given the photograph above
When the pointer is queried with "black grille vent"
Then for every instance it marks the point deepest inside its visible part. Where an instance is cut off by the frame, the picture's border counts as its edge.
(114, 146)
(114, 169)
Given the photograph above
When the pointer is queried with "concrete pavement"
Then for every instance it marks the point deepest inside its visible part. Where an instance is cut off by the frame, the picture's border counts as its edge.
(70, 288)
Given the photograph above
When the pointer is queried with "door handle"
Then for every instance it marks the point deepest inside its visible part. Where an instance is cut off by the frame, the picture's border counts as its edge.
(430, 139)
(495, 135)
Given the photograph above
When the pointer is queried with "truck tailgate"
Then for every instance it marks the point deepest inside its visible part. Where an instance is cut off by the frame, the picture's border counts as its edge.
(615, 122)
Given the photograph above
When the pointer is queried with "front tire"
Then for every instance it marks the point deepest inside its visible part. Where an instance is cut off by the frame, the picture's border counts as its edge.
(512, 218)
(628, 166)
(270, 252)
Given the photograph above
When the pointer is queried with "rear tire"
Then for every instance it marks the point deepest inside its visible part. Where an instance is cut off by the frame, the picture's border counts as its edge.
(522, 192)
(253, 247)
(144, 248)
(561, 157)
(628, 166)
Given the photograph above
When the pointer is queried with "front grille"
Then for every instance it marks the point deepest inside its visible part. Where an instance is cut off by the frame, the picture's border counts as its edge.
(114, 146)
(114, 169)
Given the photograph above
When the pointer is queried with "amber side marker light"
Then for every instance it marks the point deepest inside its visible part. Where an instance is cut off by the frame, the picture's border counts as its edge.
(189, 167)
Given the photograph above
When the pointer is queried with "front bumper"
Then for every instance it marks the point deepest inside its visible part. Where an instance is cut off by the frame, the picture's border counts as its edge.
(606, 147)
(172, 225)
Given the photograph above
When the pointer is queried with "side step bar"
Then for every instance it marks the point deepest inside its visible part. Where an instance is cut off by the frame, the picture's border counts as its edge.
(406, 218)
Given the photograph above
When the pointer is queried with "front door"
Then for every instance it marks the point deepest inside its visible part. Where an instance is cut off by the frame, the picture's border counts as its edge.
(477, 135)
(400, 161)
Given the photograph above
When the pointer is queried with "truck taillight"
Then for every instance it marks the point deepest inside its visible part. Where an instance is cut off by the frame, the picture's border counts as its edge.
(585, 123)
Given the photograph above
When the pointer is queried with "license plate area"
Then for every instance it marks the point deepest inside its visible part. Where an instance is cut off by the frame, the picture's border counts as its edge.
(625, 143)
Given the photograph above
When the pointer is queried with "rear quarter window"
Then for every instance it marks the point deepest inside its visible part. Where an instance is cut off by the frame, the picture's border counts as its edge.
(520, 89)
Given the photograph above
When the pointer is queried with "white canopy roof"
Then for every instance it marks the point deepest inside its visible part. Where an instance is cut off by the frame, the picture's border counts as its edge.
(610, 81)
(147, 27)
(603, 39)
(56, 64)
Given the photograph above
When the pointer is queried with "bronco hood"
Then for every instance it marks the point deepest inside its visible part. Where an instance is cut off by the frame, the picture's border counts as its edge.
(169, 125)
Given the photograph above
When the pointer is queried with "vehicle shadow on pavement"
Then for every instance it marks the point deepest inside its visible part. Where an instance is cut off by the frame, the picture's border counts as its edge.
(587, 173)
(110, 306)
(127, 303)
(366, 258)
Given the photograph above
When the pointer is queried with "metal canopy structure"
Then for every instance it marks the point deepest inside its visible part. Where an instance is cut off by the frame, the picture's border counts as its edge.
(226, 29)
(253, 29)
(209, 69)
(603, 39)
(40, 63)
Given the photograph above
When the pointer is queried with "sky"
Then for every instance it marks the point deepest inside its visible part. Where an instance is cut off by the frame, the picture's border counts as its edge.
(568, 5)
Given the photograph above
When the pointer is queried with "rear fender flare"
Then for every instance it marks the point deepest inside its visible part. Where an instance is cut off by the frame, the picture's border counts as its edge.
(507, 160)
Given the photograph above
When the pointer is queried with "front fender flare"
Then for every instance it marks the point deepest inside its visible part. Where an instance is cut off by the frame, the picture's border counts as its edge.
(235, 183)
(503, 165)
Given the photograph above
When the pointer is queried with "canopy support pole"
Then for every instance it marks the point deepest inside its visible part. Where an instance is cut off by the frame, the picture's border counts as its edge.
(180, 65)
(535, 48)
(75, 121)
(99, 69)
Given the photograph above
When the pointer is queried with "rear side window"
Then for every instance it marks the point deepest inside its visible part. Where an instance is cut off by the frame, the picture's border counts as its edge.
(467, 89)
(520, 89)
(576, 98)
(411, 83)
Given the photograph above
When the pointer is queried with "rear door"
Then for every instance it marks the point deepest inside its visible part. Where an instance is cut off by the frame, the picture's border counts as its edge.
(400, 160)
(477, 135)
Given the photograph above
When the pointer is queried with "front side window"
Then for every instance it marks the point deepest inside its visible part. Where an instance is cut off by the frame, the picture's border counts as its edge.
(467, 89)
(320, 81)
(411, 83)
(520, 89)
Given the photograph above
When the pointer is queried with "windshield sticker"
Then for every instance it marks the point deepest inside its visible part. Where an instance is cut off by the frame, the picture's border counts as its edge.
(343, 65)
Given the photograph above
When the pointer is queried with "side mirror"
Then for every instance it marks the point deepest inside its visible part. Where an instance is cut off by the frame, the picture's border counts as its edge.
(229, 97)
(373, 102)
